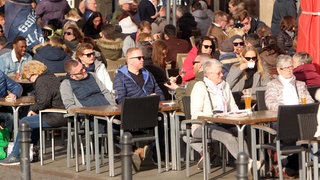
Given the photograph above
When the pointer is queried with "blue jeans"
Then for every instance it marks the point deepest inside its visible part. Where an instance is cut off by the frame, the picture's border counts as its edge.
(34, 125)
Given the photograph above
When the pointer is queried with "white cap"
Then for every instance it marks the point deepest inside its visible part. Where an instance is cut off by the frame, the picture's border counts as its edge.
(128, 26)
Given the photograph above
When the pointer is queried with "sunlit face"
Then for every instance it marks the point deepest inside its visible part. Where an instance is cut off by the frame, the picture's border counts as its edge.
(96, 21)
(286, 70)
(87, 57)
(246, 24)
(20, 48)
(68, 35)
(135, 60)
(2, 21)
(92, 5)
(224, 22)
(238, 45)
(78, 72)
(232, 8)
(31, 77)
(251, 56)
(206, 47)
(215, 75)
(295, 62)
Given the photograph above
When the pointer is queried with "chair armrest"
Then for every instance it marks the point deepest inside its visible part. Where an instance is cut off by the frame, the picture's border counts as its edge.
(116, 121)
(180, 113)
(68, 115)
(264, 128)
(192, 121)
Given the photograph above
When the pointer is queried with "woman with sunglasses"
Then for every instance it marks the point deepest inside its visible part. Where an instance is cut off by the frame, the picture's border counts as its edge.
(204, 45)
(248, 73)
(72, 37)
(86, 55)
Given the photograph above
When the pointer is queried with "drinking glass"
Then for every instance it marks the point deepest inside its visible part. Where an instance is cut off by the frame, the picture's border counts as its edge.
(114, 95)
(171, 91)
(303, 97)
(247, 98)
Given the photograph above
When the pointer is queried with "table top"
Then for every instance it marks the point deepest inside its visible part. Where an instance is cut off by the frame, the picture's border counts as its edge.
(22, 101)
(256, 117)
(110, 110)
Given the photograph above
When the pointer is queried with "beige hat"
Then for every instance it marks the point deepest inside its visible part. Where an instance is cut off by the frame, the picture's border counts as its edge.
(128, 26)
(121, 2)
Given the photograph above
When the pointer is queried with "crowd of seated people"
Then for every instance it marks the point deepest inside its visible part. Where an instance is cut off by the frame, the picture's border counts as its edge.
(234, 51)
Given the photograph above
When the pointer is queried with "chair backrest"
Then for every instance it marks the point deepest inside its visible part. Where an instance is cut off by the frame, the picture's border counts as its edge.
(261, 103)
(307, 125)
(113, 65)
(312, 91)
(186, 106)
(237, 98)
(180, 59)
(288, 125)
(140, 112)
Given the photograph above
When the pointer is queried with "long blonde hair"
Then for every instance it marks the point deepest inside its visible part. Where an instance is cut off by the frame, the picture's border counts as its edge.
(258, 62)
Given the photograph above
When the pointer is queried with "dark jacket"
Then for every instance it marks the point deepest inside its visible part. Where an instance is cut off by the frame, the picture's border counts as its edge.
(53, 57)
(176, 46)
(255, 23)
(7, 84)
(226, 67)
(308, 74)
(285, 41)
(282, 8)
(47, 95)
(146, 9)
(127, 87)
(52, 9)
(160, 77)
(185, 25)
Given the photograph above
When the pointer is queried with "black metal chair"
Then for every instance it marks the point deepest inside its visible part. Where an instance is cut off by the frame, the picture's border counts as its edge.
(308, 126)
(188, 139)
(312, 91)
(261, 103)
(287, 134)
(139, 114)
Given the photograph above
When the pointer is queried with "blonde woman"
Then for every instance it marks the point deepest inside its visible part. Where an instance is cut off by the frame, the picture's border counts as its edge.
(248, 73)
(47, 95)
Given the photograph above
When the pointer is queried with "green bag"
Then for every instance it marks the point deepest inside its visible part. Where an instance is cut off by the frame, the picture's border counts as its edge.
(4, 141)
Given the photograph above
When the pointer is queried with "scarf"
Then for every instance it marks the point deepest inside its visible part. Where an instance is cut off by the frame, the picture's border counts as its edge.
(289, 93)
(219, 100)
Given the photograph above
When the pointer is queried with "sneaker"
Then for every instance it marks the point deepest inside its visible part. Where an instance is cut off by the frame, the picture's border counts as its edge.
(259, 165)
(10, 161)
(200, 163)
(136, 160)
(146, 152)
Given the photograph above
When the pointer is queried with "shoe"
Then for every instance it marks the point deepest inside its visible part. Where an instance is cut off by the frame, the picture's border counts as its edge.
(10, 161)
(200, 163)
(146, 152)
(136, 160)
(259, 165)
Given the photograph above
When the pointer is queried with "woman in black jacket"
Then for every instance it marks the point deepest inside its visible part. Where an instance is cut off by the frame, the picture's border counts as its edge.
(47, 95)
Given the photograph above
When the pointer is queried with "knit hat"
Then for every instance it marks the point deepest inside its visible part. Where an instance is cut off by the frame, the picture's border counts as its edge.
(235, 37)
(127, 26)
(121, 2)
(226, 46)
(204, 5)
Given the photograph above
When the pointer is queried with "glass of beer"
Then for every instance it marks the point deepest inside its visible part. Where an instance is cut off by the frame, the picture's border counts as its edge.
(247, 98)
(303, 98)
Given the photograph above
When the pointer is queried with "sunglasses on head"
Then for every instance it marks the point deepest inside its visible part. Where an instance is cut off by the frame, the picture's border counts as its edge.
(89, 54)
(207, 46)
(254, 58)
(238, 43)
(68, 33)
(138, 57)
(195, 62)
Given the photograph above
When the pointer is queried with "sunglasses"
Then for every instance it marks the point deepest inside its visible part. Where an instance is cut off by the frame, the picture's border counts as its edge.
(254, 58)
(207, 46)
(238, 43)
(68, 33)
(80, 72)
(195, 62)
(138, 57)
(89, 54)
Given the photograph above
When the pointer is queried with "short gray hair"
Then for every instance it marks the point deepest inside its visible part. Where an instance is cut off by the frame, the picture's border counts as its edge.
(303, 57)
(209, 64)
(282, 59)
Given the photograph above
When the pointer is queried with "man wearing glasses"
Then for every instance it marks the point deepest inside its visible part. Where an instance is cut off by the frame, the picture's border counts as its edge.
(83, 89)
(132, 80)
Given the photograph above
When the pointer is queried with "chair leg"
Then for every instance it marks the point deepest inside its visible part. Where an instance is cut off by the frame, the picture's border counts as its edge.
(254, 153)
(52, 145)
(69, 144)
(188, 149)
(82, 150)
(158, 149)
(279, 160)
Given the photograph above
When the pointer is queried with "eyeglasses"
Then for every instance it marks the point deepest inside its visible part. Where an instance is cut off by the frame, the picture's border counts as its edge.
(89, 54)
(80, 72)
(207, 46)
(254, 58)
(138, 57)
(286, 68)
(238, 43)
(68, 33)
(195, 62)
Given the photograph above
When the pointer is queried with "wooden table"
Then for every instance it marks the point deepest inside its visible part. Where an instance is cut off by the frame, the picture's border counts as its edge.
(108, 113)
(15, 105)
(240, 122)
